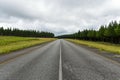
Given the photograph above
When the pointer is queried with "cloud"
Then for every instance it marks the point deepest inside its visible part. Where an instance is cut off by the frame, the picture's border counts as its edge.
(58, 16)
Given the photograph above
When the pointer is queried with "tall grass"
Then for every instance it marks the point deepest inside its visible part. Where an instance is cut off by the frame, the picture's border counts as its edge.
(4, 40)
(11, 43)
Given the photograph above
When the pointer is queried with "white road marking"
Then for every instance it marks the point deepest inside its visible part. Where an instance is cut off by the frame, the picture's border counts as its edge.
(60, 65)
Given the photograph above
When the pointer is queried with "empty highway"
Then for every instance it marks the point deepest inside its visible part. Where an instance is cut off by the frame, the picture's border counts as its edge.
(59, 60)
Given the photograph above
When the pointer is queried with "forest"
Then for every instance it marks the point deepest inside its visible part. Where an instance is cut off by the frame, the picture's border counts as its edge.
(24, 33)
(107, 33)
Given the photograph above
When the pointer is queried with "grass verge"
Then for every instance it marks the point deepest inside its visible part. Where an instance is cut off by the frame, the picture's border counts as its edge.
(11, 43)
(114, 48)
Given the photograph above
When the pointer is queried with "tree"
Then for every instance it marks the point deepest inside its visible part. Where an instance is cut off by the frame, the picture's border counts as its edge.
(24, 33)
(101, 33)
(110, 33)
(117, 31)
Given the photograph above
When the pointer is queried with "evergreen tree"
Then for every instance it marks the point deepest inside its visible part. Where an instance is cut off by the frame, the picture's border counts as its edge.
(24, 33)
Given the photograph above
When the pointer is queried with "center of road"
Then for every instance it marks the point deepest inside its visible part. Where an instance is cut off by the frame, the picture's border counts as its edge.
(60, 65)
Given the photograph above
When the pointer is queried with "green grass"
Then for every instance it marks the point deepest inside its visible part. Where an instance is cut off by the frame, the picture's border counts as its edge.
(115, 48)
(11, 43)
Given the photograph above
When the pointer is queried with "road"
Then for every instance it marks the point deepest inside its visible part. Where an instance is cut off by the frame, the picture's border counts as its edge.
(60, 60)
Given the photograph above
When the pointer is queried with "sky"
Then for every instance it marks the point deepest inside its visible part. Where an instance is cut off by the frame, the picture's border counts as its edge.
(58, 16)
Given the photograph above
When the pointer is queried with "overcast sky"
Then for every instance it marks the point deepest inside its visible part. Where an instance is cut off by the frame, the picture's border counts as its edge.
(58, 16)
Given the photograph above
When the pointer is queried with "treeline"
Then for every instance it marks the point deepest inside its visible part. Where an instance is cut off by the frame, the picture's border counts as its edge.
(110, 33)
(24, 33)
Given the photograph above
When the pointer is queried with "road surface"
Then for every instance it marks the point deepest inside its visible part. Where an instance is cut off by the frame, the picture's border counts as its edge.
(60, 60)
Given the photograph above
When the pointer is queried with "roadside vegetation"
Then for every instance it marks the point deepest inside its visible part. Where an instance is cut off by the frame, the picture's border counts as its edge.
(107, 33)
(12, 43)
(24, 33)
(115, 48)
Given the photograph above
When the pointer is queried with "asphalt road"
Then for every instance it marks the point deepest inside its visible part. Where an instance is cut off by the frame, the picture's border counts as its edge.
(60, 60)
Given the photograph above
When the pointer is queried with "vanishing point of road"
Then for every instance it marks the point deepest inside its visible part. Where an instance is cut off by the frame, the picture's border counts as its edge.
(59, 60)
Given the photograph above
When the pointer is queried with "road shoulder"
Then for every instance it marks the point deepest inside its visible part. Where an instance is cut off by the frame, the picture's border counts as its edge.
(112, 56)
(15, 54)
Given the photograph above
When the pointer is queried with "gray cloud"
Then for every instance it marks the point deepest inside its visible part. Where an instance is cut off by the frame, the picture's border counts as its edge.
(58, 16)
